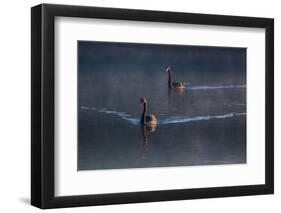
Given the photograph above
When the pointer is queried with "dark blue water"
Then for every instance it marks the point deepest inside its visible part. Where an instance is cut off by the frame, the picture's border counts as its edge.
(202, 124)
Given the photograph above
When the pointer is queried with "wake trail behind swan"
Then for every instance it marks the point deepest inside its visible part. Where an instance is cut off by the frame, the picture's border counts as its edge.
(164, 121)
(215, 87)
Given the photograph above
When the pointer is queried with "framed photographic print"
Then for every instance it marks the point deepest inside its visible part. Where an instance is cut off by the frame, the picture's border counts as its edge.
(139, 106)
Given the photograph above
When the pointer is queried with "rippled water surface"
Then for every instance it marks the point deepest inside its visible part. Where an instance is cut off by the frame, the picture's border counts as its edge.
(202, 124)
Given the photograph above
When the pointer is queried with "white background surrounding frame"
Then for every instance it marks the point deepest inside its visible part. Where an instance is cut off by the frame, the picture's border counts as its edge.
(70, 182)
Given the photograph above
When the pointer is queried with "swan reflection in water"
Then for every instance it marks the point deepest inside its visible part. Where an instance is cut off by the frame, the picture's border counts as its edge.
(174, 93)
(180, 91)
(146, 129)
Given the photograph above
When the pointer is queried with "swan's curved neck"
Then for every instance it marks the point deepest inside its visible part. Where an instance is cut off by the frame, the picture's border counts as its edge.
(170, 85)
(144, 113)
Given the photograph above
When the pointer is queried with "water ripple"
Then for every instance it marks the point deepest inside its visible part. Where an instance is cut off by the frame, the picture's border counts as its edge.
(215, 87)
(165, 121)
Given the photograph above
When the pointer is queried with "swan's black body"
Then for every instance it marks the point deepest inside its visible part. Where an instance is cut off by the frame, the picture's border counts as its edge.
(145, 118)
(172, 84)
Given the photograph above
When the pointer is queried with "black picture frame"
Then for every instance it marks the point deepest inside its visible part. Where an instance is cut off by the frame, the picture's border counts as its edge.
(43, 117)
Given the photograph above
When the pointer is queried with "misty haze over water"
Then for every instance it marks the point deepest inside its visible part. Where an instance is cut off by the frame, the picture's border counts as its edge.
(202, 124)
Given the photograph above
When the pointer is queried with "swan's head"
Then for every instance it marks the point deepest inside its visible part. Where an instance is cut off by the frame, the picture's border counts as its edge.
(167, 69)
(143, 100)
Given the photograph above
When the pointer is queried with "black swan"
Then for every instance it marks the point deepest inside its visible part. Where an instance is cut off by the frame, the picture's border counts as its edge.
(177, 85)
(146, 119)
